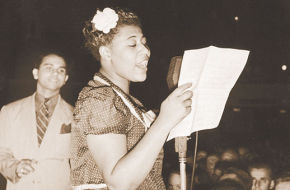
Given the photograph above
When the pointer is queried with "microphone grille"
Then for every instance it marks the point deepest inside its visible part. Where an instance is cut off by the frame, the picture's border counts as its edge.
(173, 72)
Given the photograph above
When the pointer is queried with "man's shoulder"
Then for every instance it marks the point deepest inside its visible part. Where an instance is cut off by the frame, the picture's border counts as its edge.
(17, 107)
(19, 102)
(66, 105)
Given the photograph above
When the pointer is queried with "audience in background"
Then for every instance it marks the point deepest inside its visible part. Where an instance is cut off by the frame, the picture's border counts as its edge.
(174, 179)
(228, 185)
(201, 154)
(229, 155)
(283, 181)
(211, 161)
(236, 174)
(242, 168)
(262, 175)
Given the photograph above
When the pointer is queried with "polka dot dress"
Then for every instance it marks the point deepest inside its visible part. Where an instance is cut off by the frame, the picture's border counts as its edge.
(99, 110)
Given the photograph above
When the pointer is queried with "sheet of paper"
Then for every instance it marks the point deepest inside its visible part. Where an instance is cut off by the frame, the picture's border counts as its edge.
(213, 72)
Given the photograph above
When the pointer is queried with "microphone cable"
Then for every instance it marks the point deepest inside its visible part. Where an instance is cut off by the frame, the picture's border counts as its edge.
(194, 161)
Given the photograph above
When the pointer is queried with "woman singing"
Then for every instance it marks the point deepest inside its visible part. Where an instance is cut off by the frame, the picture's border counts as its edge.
(116, 143)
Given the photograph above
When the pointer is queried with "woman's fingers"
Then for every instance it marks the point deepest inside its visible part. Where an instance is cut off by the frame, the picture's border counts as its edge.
(186, 95)
(179, 91)
(177, 105)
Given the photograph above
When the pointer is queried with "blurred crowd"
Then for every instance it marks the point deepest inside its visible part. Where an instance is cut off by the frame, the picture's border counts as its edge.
(230, 168)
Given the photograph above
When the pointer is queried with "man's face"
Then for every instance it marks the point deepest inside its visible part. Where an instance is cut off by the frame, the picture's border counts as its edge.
(261, 179)
(211, 162)
(201, 154)
(229, 155)
(51, 74)
(283, 186)
(174, 182)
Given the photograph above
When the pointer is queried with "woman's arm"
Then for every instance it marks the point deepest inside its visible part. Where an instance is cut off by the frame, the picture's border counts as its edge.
(127, 170)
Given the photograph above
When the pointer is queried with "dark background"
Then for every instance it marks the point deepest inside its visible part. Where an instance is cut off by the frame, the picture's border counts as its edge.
(261, 96)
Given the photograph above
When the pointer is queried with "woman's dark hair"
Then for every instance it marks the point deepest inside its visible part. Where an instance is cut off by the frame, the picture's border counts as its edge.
(95, 38)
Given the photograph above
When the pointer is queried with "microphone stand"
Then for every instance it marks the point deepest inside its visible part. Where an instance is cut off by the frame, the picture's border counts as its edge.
(180, 142)
(181, 148)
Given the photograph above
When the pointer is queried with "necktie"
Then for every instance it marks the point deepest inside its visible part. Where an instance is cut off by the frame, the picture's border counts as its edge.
(42, 120)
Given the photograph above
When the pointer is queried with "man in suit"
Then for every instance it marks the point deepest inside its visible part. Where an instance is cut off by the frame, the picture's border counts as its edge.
(35, 132)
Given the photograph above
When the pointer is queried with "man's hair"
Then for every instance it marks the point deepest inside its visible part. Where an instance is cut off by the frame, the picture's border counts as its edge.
(228, 184)
(261, 164)
(45, 52)
(283, 177)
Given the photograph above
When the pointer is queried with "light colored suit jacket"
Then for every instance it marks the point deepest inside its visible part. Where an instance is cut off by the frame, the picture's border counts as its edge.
(18, 140)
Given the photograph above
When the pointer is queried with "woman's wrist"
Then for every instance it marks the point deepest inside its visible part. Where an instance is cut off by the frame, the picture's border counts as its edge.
(163, 125)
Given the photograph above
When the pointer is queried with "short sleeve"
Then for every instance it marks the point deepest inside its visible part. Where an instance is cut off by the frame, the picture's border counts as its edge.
(101, 111)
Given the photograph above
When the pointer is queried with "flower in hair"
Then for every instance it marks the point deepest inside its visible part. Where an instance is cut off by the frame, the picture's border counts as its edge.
(105, 20)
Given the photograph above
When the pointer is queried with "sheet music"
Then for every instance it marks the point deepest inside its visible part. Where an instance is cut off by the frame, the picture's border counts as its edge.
(213, 72)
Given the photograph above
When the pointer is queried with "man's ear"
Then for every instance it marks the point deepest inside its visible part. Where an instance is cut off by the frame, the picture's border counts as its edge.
(66, 78)
(272, 184)
(105, 52)
(35, 73)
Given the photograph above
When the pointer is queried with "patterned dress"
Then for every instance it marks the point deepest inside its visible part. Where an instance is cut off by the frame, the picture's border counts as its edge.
(100, 110)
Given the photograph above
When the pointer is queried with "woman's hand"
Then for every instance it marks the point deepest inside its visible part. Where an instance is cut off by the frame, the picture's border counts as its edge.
(177, 105)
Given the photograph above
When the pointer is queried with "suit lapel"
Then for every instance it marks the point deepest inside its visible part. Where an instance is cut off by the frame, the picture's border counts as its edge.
(54, 127)
(25, 129)
(33, 121)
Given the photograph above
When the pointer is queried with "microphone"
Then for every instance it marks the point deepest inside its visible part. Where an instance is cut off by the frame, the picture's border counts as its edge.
(172, 81)
(173, 72)
(180, 142)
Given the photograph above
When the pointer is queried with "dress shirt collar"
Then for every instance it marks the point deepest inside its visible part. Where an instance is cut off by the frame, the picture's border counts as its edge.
(51, 102)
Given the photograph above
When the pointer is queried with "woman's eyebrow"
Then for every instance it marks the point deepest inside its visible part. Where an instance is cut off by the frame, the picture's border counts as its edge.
(135, 36)
(130, 37)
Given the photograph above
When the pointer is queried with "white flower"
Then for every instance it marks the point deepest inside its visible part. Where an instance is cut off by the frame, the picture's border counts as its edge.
(106, 20)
